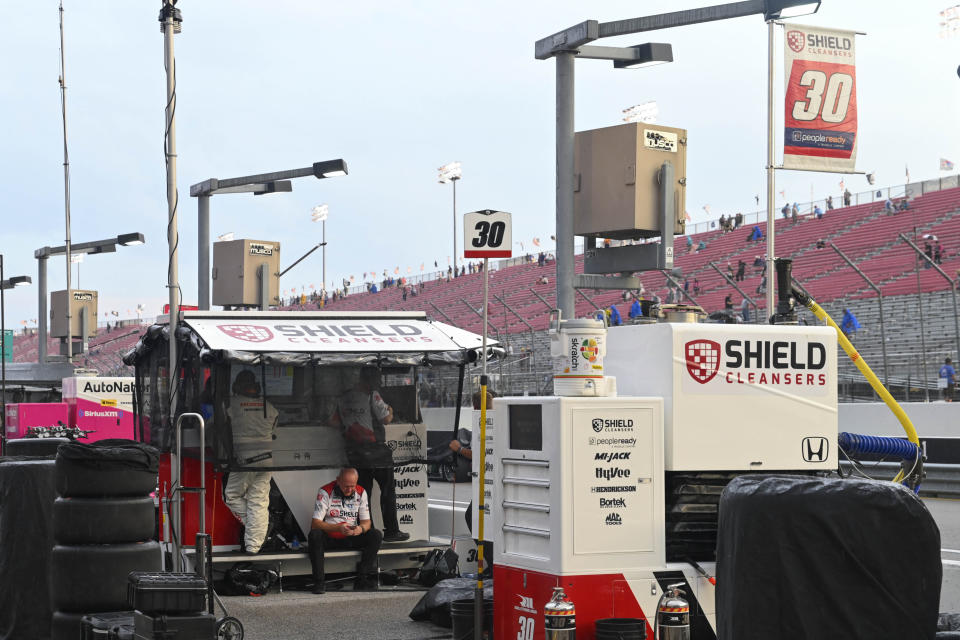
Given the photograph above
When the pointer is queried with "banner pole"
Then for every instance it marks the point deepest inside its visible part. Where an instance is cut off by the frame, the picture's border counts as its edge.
(478, 596)
(771, 186)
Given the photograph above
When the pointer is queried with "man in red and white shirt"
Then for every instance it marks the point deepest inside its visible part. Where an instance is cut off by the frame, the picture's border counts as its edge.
(341, 520)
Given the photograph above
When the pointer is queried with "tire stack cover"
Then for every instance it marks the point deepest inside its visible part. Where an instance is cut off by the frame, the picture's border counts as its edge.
(811, 557)
(27, 492)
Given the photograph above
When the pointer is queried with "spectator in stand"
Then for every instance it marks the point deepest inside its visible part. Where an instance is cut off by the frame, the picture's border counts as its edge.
(723, 223)
(404, 294)
(738, 220)
(757, 261)
(889, 207)
(850, 324)
(544, 280)
(745, 310)
(689, 244)
(817, 211)
(947, 379)
(729, 270)
(820, 243)
(756, 234)
(829, 203)
(795, 212)
(728, 301)
(696, 286)
(846, 197)
(615, 319)
(701, 246)
(938, 253)
(904, 205)
(636, 310)
(541, 259)
(686, 284)
(741, 270)
(785, 211)
(927, 251)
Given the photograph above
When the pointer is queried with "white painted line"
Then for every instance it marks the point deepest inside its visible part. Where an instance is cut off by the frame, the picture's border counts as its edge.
(952, 563)
(950, 550)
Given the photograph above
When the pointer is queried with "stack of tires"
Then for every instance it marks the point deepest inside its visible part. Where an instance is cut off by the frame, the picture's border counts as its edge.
(34, 447)
(103, 528)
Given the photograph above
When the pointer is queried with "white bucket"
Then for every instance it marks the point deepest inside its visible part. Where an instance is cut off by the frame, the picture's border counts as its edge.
(578, 348)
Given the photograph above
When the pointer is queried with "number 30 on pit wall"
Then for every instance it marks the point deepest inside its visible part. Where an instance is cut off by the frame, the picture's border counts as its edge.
(487, 234)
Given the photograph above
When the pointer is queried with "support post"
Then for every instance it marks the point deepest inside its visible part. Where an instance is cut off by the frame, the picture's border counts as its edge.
(667, 217)
(478, 596)
(263, 273)
(771, 186)
(565, 139)
(203, 252)
(42, 309)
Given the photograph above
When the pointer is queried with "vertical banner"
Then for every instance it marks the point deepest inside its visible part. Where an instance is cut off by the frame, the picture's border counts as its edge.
(820, 127)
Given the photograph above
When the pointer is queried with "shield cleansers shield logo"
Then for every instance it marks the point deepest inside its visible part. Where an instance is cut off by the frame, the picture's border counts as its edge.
(246, 332)
(795, 40)
(703, 359)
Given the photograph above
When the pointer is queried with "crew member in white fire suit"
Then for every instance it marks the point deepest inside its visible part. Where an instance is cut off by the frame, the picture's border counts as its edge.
(253, 421)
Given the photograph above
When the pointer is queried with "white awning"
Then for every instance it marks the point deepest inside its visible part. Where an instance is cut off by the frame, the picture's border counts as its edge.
(302, 332)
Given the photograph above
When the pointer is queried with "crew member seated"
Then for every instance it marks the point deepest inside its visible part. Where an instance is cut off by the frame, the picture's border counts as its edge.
(341, 520)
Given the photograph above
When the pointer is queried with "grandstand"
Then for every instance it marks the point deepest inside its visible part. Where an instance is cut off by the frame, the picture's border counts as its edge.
(520, 304)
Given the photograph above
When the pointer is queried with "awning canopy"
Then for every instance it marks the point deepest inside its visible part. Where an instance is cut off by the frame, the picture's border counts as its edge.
(307, 332)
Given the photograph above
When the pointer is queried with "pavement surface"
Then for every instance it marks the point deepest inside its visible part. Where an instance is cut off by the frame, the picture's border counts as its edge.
(296, 615)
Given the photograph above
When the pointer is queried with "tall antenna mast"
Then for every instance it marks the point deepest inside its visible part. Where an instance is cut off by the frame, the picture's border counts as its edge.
(66, 189)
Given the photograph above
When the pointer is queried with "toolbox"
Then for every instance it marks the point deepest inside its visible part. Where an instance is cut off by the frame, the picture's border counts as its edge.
(198, 626)
(102, 626)
(172, 593)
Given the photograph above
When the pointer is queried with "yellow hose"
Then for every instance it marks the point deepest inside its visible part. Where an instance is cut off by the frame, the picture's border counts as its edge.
(871, 377)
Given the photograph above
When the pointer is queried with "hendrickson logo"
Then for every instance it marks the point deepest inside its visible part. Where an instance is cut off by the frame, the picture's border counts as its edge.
(405, 519)
(613, 519)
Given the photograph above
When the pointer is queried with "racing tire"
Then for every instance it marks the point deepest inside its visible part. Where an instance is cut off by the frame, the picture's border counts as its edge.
(79, 481)
(229, 628)
(65, 626)
(33, 447)
(78, 521)
(94, 577)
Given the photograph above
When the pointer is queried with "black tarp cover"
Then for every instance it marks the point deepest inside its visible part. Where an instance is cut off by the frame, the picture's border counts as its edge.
(811, 557)
(27, 493)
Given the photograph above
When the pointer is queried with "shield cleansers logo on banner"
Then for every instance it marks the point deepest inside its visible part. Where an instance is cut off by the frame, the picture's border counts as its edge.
(796, 40)
(246, 332)
(703, 359)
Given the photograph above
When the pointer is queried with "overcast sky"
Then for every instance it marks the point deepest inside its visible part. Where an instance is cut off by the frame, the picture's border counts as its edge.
(398, 89)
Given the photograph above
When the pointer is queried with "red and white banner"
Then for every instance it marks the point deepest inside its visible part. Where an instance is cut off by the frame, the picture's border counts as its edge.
(820, 127)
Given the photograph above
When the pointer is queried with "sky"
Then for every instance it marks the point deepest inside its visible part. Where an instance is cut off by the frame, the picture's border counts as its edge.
(398, 89)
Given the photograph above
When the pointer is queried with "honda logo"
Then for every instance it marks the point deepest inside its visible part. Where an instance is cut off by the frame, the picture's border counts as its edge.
(815, 449)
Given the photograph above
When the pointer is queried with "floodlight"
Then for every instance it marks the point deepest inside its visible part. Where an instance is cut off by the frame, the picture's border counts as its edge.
(783, 9)
(330, 168)
(647, 55)
(130, 239)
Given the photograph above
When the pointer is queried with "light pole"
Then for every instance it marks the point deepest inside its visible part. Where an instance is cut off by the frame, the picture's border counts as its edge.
(276, 182)
(16, 281)
(451, 173)
(319, 214)
(42, 254)
(571, 43)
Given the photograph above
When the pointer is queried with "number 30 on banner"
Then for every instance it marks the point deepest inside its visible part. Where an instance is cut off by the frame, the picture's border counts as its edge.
(487, 234)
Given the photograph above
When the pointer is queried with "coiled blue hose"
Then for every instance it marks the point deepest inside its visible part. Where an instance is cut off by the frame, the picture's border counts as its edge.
(855, 444)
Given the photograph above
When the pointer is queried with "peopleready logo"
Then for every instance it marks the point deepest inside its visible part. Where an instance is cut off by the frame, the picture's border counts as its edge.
(611, 424)
(616, 443)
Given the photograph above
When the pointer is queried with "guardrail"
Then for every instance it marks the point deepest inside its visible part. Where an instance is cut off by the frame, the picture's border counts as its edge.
(942, 481)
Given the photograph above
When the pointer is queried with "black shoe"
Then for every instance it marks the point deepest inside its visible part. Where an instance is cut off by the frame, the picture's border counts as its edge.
(365, 585)
(319, 587)
(396, 536)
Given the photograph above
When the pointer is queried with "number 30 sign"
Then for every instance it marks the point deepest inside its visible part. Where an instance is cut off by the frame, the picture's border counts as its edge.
(487, 234)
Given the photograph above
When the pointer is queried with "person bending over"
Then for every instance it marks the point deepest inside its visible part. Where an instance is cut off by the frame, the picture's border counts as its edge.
(341, 520)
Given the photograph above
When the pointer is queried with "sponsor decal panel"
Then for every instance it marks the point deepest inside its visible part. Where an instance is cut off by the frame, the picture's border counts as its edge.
(525, 604)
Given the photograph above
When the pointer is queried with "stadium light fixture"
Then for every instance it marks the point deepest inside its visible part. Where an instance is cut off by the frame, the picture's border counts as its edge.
(785, 9)
(451, 172)
(319, 214)
(275, 182)
(647, 55)
(130, 239)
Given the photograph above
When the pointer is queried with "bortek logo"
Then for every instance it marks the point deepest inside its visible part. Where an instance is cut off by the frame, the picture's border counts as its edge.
(795, 40)
(613, 519)
(405, 519)
(815, 449)
(406, 506)
(611, 424)
(246, 332)
(406, 483)
(703, 359)
(612, 472)
(610, 456)
(526, 604)
(610, 503)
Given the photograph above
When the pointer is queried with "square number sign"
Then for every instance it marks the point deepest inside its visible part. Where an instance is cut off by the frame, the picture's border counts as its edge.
(487, 234)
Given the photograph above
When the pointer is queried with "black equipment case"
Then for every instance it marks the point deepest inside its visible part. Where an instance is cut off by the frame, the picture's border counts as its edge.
(104, 626)
(171, 593)
(199, 626)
